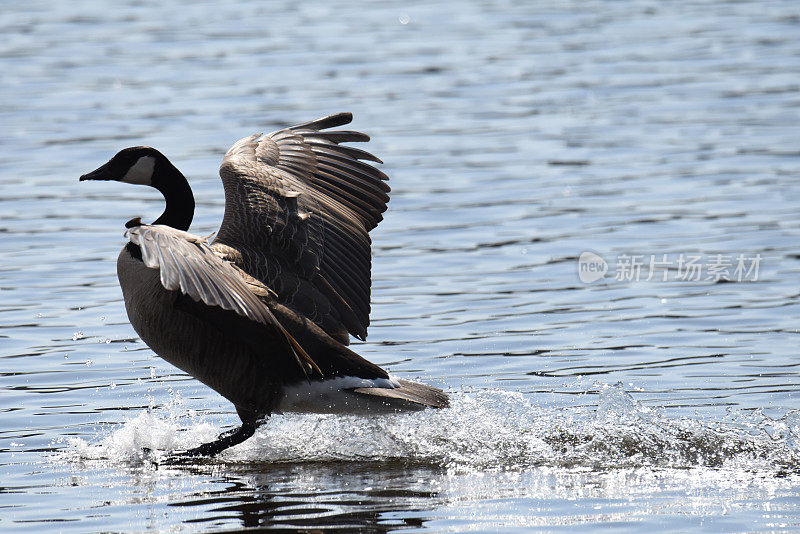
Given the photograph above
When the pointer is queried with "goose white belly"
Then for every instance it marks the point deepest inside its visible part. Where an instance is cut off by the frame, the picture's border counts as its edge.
(336, 396)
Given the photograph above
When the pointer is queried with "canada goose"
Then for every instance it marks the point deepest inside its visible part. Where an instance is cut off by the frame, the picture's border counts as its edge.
(262, 314)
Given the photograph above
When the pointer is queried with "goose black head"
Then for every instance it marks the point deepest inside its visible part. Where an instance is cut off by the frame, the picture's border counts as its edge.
(144, 165)
(134, 165)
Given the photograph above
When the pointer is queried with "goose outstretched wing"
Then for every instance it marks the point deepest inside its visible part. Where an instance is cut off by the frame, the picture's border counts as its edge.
(298, 210)
(187, 265)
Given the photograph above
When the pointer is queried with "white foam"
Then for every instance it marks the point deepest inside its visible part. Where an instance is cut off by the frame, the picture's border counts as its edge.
(492, 430)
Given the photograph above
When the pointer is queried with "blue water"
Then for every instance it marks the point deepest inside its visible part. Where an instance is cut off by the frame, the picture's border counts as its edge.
(517, 136)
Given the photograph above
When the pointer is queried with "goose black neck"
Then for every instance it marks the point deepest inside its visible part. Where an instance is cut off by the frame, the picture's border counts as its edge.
(180, 201)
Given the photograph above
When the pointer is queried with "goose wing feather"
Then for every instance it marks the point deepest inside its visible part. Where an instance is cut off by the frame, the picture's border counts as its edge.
(188, 265)
(298, 210)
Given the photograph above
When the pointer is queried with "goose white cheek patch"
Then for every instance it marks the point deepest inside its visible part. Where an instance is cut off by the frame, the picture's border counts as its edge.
(141, 172)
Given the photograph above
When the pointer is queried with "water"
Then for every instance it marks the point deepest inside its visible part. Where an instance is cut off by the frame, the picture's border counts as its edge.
(517, 136)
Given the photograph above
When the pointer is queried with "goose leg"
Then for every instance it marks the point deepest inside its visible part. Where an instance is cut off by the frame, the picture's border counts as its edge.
(223, 441)
(212, 448)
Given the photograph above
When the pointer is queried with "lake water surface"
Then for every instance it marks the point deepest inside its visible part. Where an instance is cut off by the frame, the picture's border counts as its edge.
(518, 136)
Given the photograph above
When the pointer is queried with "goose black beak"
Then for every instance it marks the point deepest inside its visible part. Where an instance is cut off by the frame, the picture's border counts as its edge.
(100, 173)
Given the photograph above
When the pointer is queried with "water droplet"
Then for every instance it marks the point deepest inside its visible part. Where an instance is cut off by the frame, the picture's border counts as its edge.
(77, 335)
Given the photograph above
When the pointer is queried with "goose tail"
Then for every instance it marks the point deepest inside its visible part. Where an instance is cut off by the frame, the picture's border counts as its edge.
(417, 395)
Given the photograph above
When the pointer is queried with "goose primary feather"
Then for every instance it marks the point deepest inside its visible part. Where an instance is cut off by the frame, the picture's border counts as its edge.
(263, 312)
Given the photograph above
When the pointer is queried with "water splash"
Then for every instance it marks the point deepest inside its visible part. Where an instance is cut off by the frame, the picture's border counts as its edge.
(485, 430)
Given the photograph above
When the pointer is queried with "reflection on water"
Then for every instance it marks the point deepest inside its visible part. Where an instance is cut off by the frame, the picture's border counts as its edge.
(517, 136)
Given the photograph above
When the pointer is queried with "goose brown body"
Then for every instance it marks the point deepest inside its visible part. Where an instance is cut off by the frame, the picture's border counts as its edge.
(191, 343)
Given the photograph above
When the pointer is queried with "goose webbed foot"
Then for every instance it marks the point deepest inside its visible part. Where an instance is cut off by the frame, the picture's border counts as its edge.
(212, 448)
